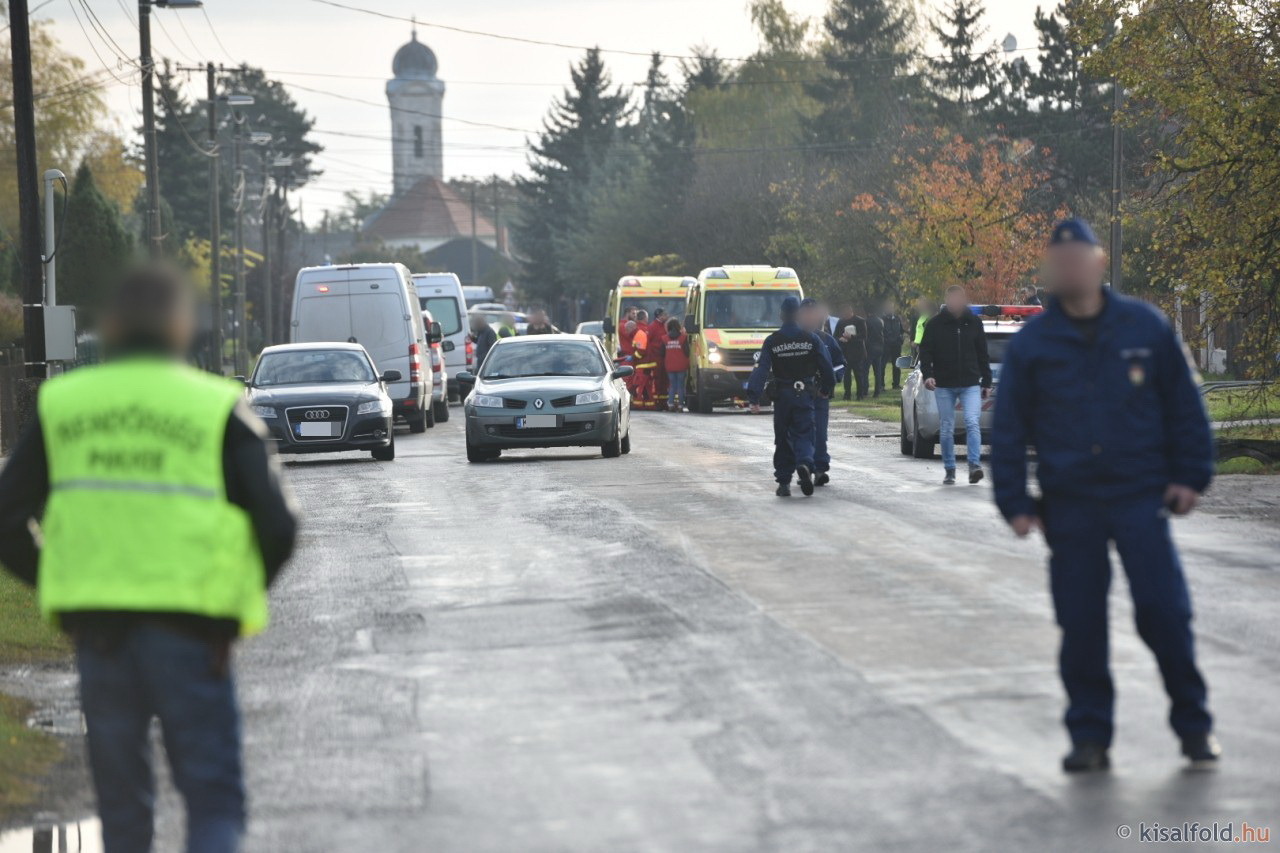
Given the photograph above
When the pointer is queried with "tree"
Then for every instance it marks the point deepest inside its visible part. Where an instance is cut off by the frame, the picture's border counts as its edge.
(68, 107)
(182, 165)
(966, 214)
(94, 244)
(578, 134)
(869, 56)
(1206, 72)
(117, 171)
(964, 80)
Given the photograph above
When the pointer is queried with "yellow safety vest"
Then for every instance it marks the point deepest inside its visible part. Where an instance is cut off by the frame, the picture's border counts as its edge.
(137, 517)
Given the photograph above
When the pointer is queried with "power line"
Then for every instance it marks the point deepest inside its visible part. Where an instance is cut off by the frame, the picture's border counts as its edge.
(30, 12)
(214, 30)
(407, 111)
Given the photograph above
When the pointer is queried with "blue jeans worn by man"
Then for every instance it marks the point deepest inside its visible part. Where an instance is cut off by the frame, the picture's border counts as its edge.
(971, 400)
(151, 670)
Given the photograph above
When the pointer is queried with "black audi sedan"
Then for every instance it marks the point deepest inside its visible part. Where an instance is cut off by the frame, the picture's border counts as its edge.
(323, 398)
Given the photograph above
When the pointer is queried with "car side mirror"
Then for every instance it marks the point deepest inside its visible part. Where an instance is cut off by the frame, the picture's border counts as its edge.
(390, 376)
(466, 377)
(622, 372)
(435, 334)
(241, 379)
(691, 325)
(608, 326)
(904, 362)
(448, 346)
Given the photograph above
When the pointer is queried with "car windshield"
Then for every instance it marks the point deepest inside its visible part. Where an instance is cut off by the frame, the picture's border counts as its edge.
(444, 310)
(312, 367)
(673, 305)
(744, 309)
(544, 358)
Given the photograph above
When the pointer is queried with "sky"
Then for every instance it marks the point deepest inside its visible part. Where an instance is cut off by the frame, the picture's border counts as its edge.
(343, 58)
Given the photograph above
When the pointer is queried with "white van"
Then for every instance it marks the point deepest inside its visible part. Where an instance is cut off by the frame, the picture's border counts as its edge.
(374, 305)
(441, 294)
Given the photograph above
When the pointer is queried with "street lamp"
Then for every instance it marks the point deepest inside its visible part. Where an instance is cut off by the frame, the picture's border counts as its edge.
(154, 236)
(255, 138)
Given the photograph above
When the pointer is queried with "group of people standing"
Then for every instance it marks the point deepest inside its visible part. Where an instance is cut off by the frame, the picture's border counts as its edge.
(871, 341)
(658, 349)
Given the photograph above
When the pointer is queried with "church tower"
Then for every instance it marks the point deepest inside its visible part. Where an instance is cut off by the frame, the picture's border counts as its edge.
(416, 96)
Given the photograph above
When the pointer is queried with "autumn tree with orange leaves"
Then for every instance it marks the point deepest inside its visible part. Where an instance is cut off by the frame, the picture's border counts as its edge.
(966, 213)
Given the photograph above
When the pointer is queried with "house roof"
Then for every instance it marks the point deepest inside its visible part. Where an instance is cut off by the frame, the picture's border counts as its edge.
(427, 210)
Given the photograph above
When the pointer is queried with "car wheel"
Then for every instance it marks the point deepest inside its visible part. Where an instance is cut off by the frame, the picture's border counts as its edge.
(418, 423)
(612, 449)
(701, 400)
(626, 443)
(920, 448)
(904, 436)
(385, 454)
(479, 454)
(440, 408)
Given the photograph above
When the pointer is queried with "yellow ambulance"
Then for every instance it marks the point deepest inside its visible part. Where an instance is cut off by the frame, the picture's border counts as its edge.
(732, 309)
(647, 292)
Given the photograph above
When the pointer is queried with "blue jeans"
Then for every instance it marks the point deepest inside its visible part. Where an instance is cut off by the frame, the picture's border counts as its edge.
(971, 398)
(675, 387)
(154, 671)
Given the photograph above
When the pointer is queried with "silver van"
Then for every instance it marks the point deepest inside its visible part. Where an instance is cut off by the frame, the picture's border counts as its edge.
(373, 305)
(441, 294)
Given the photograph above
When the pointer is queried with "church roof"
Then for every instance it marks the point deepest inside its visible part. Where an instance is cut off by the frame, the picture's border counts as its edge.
(428, 210)
(414, 61)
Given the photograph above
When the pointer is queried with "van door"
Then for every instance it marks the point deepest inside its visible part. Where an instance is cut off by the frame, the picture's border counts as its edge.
(323, 310)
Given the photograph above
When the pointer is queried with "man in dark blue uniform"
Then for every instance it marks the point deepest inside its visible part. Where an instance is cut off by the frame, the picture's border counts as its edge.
(802, 372)
(813, 318)
(1101, 386)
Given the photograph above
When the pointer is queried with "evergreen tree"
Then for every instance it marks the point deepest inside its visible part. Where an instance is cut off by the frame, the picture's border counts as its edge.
(581, 128)
(94, 244)
(704, 71)
(869, 56)
(183, 168)
(964, 79)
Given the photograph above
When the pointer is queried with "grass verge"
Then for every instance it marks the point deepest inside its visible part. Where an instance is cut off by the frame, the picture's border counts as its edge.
(24, 636)
(883, 408)
(25, 756)
(1241, 404)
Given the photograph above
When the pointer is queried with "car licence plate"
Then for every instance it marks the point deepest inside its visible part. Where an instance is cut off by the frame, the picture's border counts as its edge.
(536, 422)
(319, 429)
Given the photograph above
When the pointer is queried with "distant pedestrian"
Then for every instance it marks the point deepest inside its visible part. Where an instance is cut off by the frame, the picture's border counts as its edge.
(484, 337)
(894, 332)
(797, 360)
(1102, 388)
(851, 332)
(657, 350)
(676, 362)
(539, 324)
(875, 351)
(813, 316)
(507, 326)
(957, 369)
(1030, 296)
(925, 311)
(162, 521)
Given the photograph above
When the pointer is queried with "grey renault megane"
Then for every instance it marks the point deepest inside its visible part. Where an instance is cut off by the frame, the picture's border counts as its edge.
(547, 391)
(323, 397)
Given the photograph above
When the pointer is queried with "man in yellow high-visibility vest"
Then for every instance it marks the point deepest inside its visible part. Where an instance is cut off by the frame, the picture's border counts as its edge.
(162, 521)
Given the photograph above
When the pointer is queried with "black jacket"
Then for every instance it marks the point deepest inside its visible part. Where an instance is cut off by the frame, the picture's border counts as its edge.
(485, 338)
(252, 476)
(855, 349)
(953, 351)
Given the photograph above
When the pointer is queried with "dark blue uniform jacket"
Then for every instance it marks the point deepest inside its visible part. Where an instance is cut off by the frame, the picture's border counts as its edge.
(1115, 419)
(792, 354)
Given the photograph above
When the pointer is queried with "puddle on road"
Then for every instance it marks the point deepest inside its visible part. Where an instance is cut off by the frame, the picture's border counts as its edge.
(50, 836)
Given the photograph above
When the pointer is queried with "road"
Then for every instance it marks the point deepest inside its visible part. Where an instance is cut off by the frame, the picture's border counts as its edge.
(563, 652)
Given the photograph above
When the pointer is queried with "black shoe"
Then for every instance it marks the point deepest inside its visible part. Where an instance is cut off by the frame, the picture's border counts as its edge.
(822, 479)
(806, 479)
(1202, 750)
(950, 479)
(784, 490)
(847, 398)
(1086, 757)
(975, 474)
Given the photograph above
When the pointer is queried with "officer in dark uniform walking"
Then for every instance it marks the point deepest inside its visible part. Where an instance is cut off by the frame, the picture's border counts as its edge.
(813, 318)
(1101, 386)
(802, 371)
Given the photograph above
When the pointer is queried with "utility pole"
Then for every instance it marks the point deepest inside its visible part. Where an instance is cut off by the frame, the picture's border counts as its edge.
(240, 337)
(24, 127)
(149, 142)
(268, 288)
(282, 229)
(1117, 188)
(215, 222)
(475, 263)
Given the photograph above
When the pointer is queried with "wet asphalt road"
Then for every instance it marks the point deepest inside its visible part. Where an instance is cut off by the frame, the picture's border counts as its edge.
(562, 652)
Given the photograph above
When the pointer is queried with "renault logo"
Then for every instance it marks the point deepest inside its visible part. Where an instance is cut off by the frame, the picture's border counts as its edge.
(316, 414)
(537, 404)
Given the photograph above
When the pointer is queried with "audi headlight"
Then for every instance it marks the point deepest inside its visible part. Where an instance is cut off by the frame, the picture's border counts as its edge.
(375, 407)
(589, 397)
(487, 401)
(264, 411)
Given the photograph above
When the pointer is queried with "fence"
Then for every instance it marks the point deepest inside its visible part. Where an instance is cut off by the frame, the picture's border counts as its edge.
(12, 387)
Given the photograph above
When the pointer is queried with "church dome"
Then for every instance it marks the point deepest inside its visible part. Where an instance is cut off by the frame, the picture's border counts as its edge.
(414, 61)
